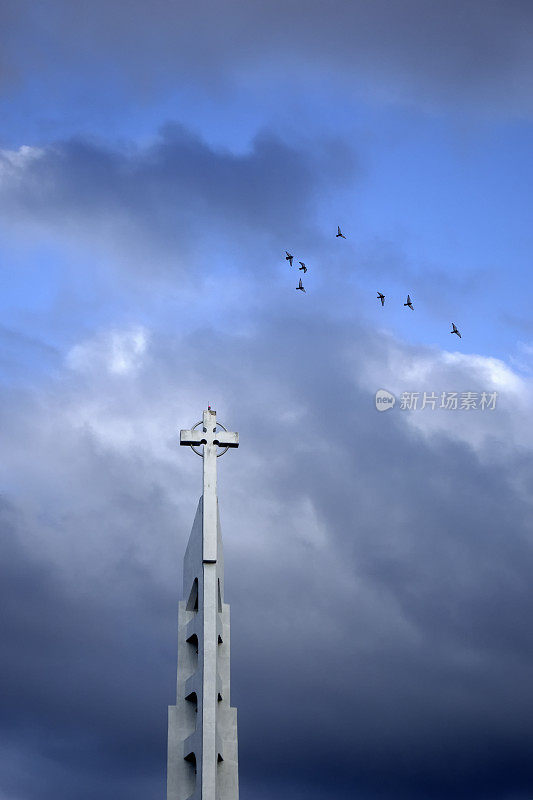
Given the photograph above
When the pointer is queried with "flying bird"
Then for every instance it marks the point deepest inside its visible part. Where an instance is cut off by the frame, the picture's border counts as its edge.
(382, 298)
(288, 257)
(300, 286)
(409, 303)
(302, 267)
(339, 233)
(455, 330)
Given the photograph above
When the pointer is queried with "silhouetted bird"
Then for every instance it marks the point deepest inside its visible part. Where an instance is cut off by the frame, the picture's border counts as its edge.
(288, 257)
(409, 303)
(302, 267)
(382, 298)
(339, 233)
(455, 330)
(300, 286)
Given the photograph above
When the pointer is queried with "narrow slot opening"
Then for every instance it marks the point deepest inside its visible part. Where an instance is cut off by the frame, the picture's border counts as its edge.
(191, 758)
(192, 602)
(192, 698)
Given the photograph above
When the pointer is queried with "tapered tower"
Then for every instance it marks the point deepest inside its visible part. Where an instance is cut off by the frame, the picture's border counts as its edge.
(202, 726)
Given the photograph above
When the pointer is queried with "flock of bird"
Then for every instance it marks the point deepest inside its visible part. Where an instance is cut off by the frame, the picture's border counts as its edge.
(302, 268)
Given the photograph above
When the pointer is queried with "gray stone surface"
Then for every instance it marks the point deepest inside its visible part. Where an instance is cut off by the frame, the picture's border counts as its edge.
(202, 726)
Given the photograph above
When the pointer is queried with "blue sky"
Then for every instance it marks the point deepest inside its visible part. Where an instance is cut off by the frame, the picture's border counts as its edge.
(155, 164)
(445, 195)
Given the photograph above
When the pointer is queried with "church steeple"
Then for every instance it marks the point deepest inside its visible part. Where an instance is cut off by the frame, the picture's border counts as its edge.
(202, 726)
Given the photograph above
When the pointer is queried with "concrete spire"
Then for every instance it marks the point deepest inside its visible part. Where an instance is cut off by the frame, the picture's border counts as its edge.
(202, 726)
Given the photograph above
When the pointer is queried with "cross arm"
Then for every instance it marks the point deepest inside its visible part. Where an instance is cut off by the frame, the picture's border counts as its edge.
(199, 436)
(191, 437)
(227, 439)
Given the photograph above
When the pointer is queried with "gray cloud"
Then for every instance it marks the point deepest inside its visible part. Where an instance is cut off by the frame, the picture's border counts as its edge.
(473, 54)
(176, 207)
(378, 570)
(181, 218)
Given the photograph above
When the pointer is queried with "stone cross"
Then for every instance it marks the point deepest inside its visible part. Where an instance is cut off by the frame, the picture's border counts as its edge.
(205, 433)
(202, 726)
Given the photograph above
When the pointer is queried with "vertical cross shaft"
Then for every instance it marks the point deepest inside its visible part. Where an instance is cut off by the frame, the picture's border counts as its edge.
(210, 492)
(213, 716)
(211, 439)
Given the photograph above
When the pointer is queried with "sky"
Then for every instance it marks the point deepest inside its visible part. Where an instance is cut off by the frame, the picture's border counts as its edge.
(156, 162)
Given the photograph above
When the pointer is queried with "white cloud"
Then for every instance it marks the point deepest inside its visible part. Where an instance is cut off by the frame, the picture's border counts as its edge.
(418, 370)
(497, 374)
(13, 160)
(523, 361)
(117, 352)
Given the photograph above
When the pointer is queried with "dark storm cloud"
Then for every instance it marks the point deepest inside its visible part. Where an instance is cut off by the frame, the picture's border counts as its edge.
(411, 680)
(469, 53)
(177, 196)
(72, 664)
(378, 574)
